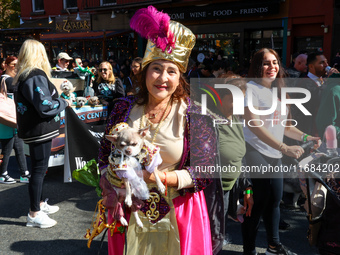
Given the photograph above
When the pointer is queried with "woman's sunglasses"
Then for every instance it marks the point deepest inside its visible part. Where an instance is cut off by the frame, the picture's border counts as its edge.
(102, 70)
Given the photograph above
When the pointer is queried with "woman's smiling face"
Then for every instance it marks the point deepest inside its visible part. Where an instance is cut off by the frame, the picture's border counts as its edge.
(270, 67)
(162, 79)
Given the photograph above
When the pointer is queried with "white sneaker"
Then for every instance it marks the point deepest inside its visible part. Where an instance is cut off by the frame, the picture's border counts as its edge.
(48, 209)
(6, 179)
(41, 220)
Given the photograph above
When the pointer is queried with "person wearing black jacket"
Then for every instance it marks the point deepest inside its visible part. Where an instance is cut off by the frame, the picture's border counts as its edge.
(38, 107)
(106, 87)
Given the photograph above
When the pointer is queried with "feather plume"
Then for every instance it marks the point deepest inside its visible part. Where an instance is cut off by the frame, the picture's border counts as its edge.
(154, 26)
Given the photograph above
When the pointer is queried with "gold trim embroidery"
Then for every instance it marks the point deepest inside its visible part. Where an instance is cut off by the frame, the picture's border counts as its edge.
(153, 213)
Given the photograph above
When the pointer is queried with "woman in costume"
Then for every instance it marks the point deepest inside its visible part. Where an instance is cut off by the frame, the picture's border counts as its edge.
(265, 148)
(179, 222)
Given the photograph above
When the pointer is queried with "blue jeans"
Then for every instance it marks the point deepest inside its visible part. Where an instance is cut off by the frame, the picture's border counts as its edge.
(18, 145)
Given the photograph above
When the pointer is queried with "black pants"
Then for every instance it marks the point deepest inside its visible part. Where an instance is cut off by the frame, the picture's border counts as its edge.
(40, 154)
(267, 197)
(18, 145)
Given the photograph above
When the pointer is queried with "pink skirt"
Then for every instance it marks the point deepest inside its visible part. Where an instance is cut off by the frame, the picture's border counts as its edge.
(193, 227)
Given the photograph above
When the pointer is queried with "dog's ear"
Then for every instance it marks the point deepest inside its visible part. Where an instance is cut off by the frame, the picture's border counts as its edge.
(112, 138)
(144, 131)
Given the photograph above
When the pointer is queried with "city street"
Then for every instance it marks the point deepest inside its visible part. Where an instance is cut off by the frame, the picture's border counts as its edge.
(77, 203)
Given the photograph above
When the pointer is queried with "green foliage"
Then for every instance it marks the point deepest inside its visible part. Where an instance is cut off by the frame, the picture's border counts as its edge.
(89, 175)
(9, 13)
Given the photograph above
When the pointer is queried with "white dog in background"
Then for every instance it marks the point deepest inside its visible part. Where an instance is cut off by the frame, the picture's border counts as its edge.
(68, 90)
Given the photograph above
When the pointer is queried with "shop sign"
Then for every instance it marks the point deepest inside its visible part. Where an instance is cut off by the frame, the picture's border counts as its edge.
(70, 23)
(224, 11)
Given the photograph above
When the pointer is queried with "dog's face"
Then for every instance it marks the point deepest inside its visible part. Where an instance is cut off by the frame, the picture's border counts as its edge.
(81, 101)
(93, 101)
(66, 86)
(129, 141)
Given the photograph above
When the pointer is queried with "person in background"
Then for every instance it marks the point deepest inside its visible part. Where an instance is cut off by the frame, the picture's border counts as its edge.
(105, 85)
(114, 63)
(9, 136)
(231, 136)
(329, 109)
(300, 67)
(2, 66)
(63, 61)
(38, 108)
(163, 104)
(136, 68)
(264, 147)
(314, 82)
(218, 68)
(123, 76)
(77, 62)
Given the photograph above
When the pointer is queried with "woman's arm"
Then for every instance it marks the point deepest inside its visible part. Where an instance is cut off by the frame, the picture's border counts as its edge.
(296, 134)
(265, 136)
(36, 91)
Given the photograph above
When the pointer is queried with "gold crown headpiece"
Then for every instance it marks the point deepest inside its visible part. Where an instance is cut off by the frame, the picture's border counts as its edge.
(168, 40)
(118, 127)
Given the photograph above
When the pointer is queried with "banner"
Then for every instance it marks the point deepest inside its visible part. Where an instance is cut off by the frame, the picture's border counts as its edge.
(82, 139)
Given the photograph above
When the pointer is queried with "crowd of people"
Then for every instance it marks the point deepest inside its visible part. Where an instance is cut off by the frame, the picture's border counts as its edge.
(157, 92)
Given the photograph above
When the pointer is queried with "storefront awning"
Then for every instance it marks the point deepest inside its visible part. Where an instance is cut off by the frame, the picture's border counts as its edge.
(81, 35)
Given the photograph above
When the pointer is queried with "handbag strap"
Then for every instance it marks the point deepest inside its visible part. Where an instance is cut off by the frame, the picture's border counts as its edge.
(3, 87)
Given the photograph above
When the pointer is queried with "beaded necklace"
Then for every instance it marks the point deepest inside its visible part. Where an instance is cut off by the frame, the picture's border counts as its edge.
(159, 123)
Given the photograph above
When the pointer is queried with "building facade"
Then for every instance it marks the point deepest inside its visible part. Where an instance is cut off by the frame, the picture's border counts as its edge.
(98, 29)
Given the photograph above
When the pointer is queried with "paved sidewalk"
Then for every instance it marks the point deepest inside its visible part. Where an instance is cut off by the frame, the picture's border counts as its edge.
(77, 203)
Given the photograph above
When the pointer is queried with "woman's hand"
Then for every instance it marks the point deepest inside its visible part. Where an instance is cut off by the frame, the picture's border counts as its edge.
(248, 203)
(317, 140)
(294, 151)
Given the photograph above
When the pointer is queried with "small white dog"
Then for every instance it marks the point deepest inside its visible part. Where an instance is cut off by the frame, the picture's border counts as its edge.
(68, 90)
(81, 101)
(131, 151)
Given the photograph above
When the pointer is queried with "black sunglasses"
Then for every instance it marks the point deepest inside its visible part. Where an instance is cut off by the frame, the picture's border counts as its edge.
(102, 69)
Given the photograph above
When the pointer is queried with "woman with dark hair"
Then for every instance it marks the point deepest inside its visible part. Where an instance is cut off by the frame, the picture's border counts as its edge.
(106, 87)
(9, 136)
(176, 222)
(264, 135)
(132, 80)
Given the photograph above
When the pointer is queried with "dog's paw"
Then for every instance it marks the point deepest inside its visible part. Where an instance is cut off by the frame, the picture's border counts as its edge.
(139, 222)
(128, 201)
(161, 189)
(123, 221)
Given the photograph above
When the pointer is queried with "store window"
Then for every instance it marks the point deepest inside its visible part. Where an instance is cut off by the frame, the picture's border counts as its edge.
(255, 40)
(308, 43)
(70, 4)
(56, 48)
(108, 2)
(93, 51)
(38, 5)
(121, 47)
(227, 45)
